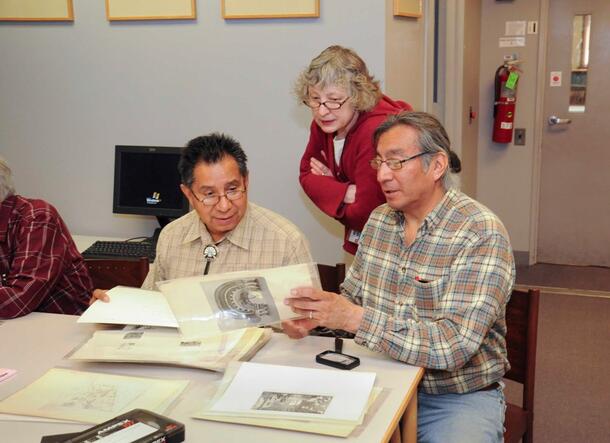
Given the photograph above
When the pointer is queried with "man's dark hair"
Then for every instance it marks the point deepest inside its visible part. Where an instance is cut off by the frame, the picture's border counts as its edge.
(210, 149)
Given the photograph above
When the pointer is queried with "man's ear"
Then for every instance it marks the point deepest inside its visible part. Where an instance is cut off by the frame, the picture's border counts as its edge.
(188, 194)
(246, 181)
(440, 163)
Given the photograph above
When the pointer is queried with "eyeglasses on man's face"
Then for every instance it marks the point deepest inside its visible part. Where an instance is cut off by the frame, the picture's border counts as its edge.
(331, 105)
(212, 199)
(393, 163)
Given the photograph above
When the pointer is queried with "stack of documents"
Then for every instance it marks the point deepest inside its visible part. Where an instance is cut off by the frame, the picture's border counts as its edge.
(167, 346)
(155, 337)
(91, 397)
(322, 401)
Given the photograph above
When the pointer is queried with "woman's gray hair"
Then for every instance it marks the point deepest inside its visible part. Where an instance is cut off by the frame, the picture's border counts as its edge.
(6, 180)
(432, 138)
(339, 66)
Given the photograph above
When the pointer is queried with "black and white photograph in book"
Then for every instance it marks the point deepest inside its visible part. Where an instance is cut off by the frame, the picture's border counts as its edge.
(242, 302)
(286, 402)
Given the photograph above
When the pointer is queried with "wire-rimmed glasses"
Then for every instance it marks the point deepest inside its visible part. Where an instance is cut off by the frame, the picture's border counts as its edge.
(393, 163)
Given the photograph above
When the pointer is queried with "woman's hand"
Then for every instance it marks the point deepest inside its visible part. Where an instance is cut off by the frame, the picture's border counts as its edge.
(319, 168)
(350, 194)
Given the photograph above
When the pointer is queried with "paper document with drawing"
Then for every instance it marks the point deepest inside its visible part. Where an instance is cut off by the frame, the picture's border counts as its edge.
(131, 306)
(167, 346)
(309, 400)
(212, 304)
(91, 397)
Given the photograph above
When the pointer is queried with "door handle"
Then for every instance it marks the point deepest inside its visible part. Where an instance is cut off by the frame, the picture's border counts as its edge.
(554, 120)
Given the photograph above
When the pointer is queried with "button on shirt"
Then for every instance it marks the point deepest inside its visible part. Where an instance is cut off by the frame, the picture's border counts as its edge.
(40, 266)
(440, 302)
(262, 239)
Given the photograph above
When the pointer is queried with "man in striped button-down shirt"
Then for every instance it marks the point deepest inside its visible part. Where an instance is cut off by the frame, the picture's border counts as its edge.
(429, 284)
(40, 267)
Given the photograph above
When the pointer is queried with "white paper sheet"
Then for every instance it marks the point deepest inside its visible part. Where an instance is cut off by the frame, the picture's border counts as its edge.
(294, 392)
(131, 306)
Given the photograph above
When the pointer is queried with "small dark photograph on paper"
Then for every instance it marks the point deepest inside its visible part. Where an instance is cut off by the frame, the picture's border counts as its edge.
(285, 402)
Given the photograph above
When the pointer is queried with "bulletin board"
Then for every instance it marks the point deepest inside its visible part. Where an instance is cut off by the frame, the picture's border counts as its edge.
(245, 9)
(36, 10)
(150, 9)
(408, 8)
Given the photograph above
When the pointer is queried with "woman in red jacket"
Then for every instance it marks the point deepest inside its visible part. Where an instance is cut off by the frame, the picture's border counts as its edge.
(347, 106)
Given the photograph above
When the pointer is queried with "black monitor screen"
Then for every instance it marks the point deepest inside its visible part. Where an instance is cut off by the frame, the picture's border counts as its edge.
(146, 181)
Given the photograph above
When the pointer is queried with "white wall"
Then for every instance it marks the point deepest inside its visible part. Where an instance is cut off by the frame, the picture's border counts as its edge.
(70, 92)
(404, 60)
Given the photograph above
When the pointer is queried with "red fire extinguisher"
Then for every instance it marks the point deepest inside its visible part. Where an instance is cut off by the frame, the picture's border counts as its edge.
(505, 101)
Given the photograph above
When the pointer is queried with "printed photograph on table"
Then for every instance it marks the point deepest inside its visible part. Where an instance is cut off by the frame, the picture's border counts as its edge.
(286, 402)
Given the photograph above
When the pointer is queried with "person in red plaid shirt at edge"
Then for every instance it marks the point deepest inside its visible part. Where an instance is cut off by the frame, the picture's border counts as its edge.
(428, 286)
(40, 267)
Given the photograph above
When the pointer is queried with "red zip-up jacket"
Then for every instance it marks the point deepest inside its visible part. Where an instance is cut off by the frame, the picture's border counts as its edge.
(328, 192)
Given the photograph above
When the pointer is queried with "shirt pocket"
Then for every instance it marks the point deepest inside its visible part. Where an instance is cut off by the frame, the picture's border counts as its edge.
(427, 297)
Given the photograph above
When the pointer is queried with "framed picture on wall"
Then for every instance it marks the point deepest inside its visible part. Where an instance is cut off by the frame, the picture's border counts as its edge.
(408, 8)
(150, 10)
(36, 10)
(246, 9)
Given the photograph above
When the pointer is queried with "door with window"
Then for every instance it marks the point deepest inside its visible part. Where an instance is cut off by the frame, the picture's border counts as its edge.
(574, 207)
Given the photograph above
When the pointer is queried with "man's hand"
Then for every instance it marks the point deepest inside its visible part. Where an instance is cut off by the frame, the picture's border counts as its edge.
(321, 308)
(99, 294)
(299, 328)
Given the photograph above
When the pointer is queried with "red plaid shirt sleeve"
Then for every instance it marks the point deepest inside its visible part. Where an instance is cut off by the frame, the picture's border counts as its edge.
(40, 265)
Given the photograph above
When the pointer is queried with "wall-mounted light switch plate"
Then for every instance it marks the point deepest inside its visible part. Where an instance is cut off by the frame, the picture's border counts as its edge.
(520, 136)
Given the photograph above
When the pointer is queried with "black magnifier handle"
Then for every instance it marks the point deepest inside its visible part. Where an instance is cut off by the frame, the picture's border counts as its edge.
(338, 345)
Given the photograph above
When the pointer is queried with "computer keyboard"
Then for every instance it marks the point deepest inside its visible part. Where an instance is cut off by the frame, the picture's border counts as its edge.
(117, 249)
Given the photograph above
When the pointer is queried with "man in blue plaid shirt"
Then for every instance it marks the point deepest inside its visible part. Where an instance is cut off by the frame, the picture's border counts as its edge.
(429, 284)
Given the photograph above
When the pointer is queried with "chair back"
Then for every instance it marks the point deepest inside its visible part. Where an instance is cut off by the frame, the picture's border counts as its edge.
(521, 336)
(108, 273)
(331, 277)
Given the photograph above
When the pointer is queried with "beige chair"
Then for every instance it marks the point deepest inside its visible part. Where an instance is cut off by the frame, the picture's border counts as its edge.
(108, 273)
(521, 337)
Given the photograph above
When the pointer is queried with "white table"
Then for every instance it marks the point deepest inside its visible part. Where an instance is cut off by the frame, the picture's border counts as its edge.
(37, 342)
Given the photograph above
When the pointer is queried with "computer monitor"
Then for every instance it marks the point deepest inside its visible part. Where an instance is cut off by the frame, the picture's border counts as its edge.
(146, 182)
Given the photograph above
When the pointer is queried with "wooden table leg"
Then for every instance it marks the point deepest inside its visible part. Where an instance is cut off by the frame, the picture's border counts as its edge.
(396, 435)
(409, 422)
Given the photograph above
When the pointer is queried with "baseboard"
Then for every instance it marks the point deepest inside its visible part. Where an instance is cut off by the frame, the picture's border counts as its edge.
(522, 258)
